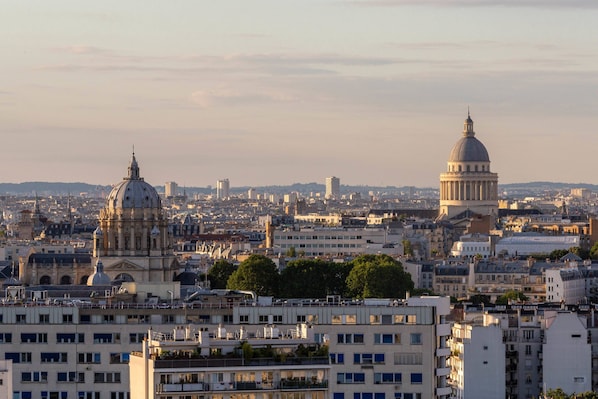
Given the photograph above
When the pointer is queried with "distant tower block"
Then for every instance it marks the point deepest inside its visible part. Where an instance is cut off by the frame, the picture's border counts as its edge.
(333, 188)
(222, 189)
(468, 184)
(170, 189)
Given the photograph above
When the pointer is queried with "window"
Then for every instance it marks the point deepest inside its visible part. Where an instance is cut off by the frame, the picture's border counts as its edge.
(33, 338)
(89, 357)
(350, 338)
(244, 318)
(88, 395)
(44, 318)
(125, 395)
(337, 358)
(18, 357)
(416, 339)
(338, 395)
(106, 338)
(136, 338)
(22, 395)
(350, 378)
(387, 378)
(70, 376)
(67, 318)
(54, 357)
(416, 378)
(63, 338)
(106, 377)
(5, 338)
(34, 376)
(119, 358)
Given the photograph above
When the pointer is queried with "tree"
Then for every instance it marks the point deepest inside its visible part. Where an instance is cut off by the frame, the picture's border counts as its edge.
(407, 248)
(558, 393)
(558, 254)
(305, 278)
(378, 276)
(256, 273)
(219, 273)
(594, 251)
(510, 295)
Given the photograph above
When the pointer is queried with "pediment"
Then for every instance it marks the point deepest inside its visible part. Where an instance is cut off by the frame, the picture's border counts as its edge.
(123, 266)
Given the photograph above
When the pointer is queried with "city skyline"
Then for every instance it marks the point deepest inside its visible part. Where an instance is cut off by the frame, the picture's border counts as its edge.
(268, 92)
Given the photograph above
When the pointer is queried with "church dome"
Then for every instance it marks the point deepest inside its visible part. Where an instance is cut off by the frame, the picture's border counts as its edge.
(468, 148)
(133, 192)
(98, 277)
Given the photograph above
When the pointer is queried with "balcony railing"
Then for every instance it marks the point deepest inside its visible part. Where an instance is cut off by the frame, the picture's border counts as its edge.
(238, 362)
(284, 384)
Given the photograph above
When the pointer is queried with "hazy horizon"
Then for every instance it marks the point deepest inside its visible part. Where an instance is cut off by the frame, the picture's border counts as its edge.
(265, 92)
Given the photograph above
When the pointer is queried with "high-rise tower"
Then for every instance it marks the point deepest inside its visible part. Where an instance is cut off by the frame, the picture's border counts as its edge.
(333, 188)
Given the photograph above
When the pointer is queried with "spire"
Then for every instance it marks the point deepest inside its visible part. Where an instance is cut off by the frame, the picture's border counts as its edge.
(133, 168)
(468, 126)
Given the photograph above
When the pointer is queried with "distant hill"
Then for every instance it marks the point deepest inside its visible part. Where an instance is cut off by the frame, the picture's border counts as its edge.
(75, 189)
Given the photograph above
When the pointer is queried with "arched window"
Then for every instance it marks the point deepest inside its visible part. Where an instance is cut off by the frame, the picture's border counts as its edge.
(45, 280)
(65, 280)
(124, 277)
(83, 280)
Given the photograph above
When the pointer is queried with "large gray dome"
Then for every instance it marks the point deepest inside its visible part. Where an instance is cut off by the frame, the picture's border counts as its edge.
(133, 192)
(468, 148)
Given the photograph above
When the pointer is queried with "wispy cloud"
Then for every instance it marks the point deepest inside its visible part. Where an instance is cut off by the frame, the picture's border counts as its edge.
(478, 3)
(228, 96)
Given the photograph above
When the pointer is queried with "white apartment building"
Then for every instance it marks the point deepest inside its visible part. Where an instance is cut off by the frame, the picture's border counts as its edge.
(259, 363)
(566, 285)
(5, 378)
(534, 244)
(337, 242)
(477, 361)
(170, 189)
(472, 246)
(567, 353)
(78, 350)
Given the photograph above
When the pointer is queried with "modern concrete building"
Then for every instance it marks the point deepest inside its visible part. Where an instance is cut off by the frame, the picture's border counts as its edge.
(264, 362)
(222, 189)
(336, 242)
(477, 361)
(468, 184)
(76, 349)
(333, 188)
(170, 189)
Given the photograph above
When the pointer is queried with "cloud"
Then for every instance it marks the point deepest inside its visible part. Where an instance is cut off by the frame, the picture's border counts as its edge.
(227, 96)
(590, 4)
(81, 49)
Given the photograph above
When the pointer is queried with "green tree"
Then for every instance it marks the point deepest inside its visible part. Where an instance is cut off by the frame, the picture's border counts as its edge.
(558, 393)
(305, 278)
(510, 295)
(256, 273)
(558, 254)
(336, 279)
(219, 273)
(407, 248)
(291, 252)
(594, 251)
(378, 276)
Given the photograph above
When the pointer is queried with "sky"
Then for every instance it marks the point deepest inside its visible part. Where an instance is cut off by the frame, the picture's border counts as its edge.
(267, 92)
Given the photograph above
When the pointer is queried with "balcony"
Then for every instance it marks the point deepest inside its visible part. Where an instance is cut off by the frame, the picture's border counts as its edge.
(443, 330)
(444, 391)
(285, 384)
(443, 352)
(237, 362)
(442, 371)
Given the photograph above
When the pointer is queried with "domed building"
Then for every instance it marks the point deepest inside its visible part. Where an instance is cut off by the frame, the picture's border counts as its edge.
(468, 186)
(133, 239)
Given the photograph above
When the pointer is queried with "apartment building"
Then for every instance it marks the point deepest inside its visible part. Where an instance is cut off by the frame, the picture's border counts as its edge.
(79, 350)
(260, 363)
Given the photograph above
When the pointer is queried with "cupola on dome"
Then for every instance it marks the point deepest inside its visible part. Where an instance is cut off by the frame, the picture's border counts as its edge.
(469, 148)
(133, 192)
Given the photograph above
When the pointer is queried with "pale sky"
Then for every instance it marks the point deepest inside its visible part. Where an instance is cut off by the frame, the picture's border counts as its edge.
(283, 91)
